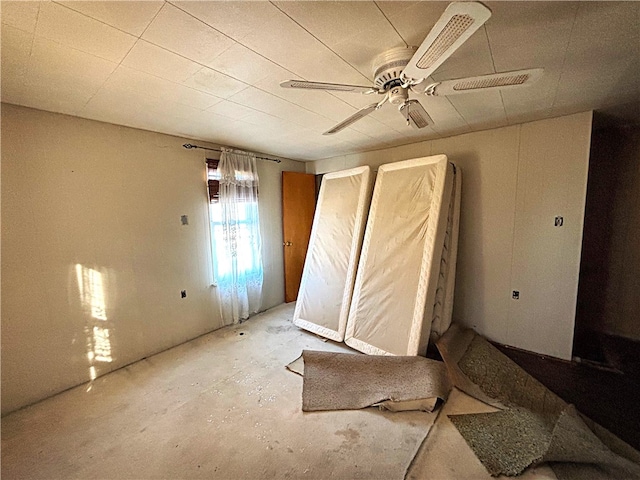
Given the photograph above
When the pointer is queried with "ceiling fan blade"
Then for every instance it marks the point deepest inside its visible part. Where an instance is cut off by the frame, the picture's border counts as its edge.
(352, 119)
(503, 81)
(458, 22)
(335, 87)
(415, 114)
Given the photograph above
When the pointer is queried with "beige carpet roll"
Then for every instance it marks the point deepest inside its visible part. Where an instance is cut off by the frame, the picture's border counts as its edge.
(342, 381)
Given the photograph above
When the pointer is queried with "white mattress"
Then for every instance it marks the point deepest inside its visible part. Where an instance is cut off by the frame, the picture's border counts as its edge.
(332, 256)
(395, 288)
(443, 308)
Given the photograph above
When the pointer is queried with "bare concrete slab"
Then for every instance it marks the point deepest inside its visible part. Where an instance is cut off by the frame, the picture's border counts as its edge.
(221, 406)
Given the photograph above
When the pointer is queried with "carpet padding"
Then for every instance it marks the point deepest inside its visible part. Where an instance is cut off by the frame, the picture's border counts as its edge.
(297, 366)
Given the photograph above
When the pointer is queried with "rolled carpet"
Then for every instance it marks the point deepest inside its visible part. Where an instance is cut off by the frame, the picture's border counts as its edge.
(342, 381)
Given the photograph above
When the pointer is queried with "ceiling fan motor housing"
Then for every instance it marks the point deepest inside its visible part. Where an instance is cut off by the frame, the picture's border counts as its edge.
(388, 66)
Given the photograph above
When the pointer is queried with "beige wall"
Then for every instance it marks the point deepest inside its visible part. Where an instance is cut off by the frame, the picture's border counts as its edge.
(552, 181)
(93, 252)
(515, 181)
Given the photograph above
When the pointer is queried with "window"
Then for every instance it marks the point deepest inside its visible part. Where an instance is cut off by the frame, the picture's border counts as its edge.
(213, 180)
(235, 239)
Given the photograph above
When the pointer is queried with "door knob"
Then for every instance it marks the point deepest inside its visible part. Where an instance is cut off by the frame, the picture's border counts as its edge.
(287, 244)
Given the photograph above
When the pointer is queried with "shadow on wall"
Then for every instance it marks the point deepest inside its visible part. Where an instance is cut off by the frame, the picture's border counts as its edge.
(470, 268)
(98, 329)
(596, 238)
(608, 302)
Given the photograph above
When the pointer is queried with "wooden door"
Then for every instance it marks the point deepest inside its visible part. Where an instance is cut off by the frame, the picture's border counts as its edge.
(298, 207)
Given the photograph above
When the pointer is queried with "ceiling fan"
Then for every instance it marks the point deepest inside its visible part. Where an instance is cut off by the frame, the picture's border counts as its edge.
(402, 69)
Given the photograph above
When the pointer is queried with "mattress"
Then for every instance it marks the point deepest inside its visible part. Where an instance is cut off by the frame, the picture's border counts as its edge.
(394, 295)
(332, 256)
(443, 308)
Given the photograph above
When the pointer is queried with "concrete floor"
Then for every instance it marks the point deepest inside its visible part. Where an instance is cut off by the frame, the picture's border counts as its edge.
(224, 406)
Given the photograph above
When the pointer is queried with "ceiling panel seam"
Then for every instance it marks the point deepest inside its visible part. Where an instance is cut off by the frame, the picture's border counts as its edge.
(331, 50)
(98, 20)
(459, 114)
(191, 60)
(564, 59)
(237, 79)
(152, 20)
(26, 69)
(247, 85)
(493, 65)
(392, 25)
(123, 58)
(75, 50)
(259, 54)
(320, 41)
(33, 38)
(224, 35)
(139, 37)
(86, 16)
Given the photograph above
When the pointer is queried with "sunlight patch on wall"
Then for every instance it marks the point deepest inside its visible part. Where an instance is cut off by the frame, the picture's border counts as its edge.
(91, 290)
(101, 345)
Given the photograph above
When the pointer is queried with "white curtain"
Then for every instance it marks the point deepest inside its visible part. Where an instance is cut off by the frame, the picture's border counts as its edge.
(236, 237)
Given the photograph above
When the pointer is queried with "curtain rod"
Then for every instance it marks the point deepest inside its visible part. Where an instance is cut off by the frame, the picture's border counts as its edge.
(189, 146)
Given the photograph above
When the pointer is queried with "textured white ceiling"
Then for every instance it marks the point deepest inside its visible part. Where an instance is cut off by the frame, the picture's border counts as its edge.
(211, 70)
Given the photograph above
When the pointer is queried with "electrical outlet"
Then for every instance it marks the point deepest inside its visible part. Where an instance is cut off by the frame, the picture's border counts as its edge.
(184, 219)
(558, 221)
(183, 293)
(515, 295)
